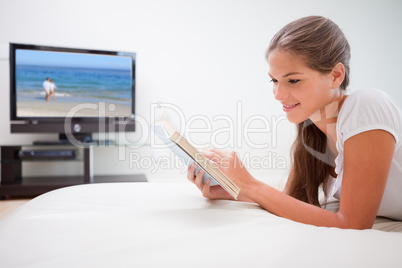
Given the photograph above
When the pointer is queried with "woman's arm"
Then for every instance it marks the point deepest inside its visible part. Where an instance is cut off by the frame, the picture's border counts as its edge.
(367, 160)
(287, 186)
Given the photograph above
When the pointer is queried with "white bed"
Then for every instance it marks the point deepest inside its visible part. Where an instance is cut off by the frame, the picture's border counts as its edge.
(172, 225)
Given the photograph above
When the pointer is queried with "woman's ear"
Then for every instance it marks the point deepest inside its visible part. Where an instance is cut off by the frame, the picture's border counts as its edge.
(338, 74)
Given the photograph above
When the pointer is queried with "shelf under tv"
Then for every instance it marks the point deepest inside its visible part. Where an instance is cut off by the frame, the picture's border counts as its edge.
(34, 186)
(13, 184)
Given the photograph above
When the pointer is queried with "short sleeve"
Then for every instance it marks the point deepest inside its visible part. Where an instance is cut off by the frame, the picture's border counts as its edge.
(363, 110)
(366, 110)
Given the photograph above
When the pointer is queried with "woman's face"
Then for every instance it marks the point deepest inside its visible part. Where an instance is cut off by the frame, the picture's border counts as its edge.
(301, 90)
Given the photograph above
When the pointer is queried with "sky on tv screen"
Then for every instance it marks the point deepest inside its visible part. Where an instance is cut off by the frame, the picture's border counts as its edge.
(68, 59)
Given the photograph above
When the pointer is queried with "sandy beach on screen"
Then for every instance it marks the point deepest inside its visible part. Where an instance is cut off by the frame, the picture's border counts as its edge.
(27, 108)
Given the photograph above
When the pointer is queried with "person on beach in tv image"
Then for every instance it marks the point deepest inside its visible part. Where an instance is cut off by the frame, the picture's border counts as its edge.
(47, 88)
(52, 88)
(348, 148)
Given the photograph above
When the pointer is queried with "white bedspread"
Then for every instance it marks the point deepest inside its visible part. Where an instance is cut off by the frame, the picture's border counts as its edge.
(172, 225)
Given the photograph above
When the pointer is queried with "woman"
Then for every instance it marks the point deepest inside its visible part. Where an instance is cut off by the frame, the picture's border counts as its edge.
(348, 145)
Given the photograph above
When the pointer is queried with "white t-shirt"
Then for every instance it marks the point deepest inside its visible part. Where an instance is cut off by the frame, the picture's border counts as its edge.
(362, 111)
(46, 86)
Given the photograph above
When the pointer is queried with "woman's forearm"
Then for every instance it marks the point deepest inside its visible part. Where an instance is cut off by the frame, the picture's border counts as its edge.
(288, 207)
(244, 199)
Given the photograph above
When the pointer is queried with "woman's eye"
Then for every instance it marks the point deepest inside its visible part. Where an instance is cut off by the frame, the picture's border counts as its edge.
(273, 80)
(293, 81)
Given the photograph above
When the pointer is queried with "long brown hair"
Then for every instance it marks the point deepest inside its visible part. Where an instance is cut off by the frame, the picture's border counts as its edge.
(321, 44)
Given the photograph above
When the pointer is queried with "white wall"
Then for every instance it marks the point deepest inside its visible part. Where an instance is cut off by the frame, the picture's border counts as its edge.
(203, 56)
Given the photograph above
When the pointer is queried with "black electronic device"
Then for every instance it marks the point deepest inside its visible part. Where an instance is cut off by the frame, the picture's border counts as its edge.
(47, 154)
(93, 91)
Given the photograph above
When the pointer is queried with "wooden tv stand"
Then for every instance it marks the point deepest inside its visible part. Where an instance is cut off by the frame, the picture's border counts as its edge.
(14, 184)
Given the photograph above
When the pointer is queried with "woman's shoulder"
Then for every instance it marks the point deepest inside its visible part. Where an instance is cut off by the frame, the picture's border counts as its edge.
(368, 109)
(368, 99)
(373, 95)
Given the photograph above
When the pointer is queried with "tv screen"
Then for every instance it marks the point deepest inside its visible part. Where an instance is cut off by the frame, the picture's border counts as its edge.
(49, 83)
(54, 83)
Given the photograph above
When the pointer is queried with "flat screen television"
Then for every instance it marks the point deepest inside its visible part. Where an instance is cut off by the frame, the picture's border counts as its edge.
(70, 91)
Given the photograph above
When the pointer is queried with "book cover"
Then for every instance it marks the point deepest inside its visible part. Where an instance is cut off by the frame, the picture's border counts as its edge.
(167, 133)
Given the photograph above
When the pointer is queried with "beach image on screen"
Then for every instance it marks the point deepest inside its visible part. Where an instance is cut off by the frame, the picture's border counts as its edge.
(50, 84)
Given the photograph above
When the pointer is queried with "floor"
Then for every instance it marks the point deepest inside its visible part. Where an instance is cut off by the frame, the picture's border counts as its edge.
(6, 206)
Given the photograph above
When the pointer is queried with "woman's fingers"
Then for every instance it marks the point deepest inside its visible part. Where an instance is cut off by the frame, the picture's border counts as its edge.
(206, 189)
(213, 156)
(223, 153)
(198, 179)
(223, 160)
(190, 173)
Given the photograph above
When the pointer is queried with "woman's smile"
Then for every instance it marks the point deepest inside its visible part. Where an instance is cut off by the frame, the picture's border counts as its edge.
(290, 107)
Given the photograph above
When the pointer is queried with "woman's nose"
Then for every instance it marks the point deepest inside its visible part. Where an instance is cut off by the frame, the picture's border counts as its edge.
(280, 93)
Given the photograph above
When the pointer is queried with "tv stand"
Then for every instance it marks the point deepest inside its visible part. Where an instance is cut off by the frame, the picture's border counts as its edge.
(52, 142)
(84, 140)
(81, 138)
(14, 184)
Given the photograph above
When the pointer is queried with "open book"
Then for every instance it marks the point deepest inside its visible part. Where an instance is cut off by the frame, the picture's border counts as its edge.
(165, 131)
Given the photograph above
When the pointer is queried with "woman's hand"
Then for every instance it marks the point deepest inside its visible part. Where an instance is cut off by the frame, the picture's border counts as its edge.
(208, 191)
(229, 163)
